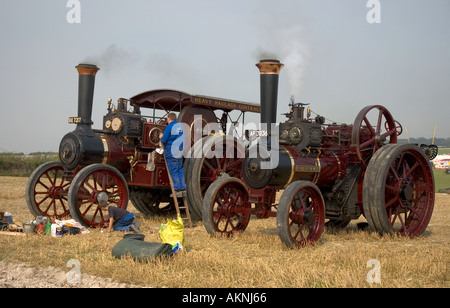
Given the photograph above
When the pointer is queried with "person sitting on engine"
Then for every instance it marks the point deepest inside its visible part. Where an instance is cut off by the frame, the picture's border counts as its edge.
(173, 140)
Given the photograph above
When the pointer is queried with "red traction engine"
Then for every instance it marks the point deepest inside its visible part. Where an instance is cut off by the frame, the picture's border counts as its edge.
(120, 162)
(329, 174)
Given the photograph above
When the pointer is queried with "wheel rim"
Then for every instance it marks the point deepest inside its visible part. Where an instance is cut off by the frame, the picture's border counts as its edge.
(409, 193)
(305, 225)
(48, 192)
(226, 215)
(373, 127)
(102, 185)
(300, 214)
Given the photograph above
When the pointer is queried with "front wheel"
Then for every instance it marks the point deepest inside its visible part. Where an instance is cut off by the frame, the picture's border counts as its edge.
(226, 209)
(93, 186)
(46, 191)
(300, 214)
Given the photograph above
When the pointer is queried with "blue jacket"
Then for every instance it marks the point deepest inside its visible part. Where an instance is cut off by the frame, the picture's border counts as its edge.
(173, 140)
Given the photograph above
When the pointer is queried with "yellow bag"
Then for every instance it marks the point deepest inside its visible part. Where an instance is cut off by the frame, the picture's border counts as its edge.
(172, 232)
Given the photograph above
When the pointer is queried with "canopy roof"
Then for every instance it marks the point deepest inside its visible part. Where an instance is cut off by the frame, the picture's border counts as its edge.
(175, 100)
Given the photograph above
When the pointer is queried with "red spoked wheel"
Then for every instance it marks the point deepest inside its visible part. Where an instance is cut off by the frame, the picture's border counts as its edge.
(398, 191)
(93, 186)
(374, 127)
(226, 210)
(214, 157)
(46, 191)
(300, 214)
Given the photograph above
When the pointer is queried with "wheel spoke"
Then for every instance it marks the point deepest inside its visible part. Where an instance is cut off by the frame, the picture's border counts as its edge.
(364, 145)
(208, 166)
(380, 118)
(369, 126)
(411, 170)
(391, 202)
(388, 133)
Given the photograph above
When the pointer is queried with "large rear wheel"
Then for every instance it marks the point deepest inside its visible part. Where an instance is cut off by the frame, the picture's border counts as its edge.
(398, 191)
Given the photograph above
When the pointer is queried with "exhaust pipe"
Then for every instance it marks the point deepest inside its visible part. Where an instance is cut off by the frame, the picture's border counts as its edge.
(86, 84)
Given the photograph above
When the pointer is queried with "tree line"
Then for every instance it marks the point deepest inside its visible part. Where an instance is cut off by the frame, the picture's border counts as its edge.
(20, 164)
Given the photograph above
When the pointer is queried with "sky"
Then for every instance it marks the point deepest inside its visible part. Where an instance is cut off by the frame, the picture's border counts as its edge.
(335, 60)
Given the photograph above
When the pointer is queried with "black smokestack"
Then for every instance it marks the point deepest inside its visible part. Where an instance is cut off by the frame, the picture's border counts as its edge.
(270, 70)
(86, 83)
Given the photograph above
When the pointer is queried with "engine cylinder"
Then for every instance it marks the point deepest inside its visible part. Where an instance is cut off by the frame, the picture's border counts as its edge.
(77, 148)
(257, 176)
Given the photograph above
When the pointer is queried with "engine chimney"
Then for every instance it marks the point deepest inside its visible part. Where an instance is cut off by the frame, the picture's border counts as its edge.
(270, 70)
(259, 164)
(86, 82)
(82, 146)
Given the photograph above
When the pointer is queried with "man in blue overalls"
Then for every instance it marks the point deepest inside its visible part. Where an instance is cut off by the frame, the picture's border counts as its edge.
(173, 140)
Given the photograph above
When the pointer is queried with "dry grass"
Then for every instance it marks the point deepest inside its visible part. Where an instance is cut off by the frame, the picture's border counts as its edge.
(254, 259)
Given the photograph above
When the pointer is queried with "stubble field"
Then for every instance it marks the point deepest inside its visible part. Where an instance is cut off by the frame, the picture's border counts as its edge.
(254, 259)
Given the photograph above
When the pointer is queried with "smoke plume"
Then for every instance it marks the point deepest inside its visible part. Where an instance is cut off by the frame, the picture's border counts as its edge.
(283, 37)
(112, 59)
(294, 54)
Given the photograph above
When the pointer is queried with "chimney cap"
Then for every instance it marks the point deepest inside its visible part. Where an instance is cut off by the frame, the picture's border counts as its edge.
(270, 66)
(87, 69)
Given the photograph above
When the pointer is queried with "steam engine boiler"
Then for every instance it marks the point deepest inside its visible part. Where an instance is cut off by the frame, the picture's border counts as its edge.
(333, 172)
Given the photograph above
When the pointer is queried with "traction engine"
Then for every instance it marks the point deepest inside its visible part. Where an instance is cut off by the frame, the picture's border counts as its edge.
(120, 162)
(329, 174)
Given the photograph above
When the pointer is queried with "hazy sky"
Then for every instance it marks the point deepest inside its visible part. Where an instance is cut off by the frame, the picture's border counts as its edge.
(335, 60)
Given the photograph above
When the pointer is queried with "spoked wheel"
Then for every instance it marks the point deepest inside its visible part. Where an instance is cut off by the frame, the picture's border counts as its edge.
(374, 127)
(226, 210)
(94, 185)
(398, 191)
(300, 214)
(47, 190)
(220, 156)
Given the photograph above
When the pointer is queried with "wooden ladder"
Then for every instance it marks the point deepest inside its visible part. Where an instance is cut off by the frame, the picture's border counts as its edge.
(175, 200)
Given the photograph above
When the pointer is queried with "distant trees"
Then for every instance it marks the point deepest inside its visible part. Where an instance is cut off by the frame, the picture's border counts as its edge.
(20, 164)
